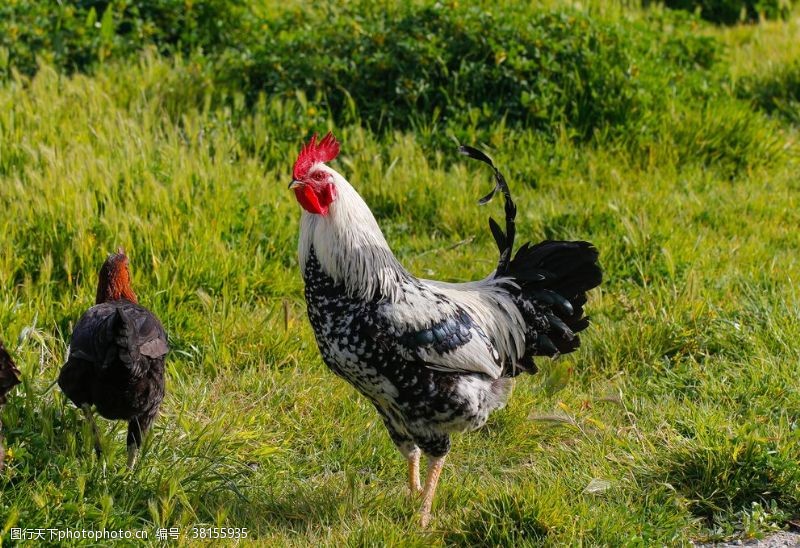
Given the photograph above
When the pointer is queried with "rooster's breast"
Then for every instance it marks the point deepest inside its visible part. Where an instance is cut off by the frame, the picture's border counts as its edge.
(356, 345)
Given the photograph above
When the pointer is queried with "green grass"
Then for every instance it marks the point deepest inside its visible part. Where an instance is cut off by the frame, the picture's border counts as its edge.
(683, 398)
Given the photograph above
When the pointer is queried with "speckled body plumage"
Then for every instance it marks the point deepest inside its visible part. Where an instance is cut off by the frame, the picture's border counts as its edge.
(420, 406)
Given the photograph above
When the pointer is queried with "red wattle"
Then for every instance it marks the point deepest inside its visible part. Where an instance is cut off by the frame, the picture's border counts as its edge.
(315, 199)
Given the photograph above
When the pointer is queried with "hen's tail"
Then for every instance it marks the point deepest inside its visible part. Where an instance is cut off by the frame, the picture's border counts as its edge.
(137, 334)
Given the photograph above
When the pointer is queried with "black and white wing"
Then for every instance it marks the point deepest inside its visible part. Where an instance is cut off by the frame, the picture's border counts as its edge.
(426, 326)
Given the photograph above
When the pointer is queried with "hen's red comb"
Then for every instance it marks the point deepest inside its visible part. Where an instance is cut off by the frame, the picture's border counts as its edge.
(324, 151)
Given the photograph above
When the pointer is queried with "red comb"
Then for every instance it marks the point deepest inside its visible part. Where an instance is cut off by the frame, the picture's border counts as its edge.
(324, 151)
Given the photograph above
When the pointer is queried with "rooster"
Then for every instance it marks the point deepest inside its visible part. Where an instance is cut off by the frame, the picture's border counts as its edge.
(9, 378)
(434, 358)
(116, 357)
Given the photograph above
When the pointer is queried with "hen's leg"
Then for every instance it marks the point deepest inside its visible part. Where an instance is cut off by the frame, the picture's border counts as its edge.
(87, 412)
(137, 428)
(435, 465)
(134, 440)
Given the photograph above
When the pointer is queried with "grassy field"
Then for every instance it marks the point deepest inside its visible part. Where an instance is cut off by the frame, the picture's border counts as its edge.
(677, 420)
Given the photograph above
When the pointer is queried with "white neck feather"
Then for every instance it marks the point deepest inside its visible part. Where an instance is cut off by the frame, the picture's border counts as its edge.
(350, 246)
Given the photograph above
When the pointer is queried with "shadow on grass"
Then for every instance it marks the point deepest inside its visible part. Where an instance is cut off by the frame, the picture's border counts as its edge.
(504, 520)
(725, 475)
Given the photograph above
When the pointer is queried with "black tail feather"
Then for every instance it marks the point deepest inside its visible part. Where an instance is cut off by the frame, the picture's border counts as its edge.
(504, 240)
(569, 269)
(553, 277)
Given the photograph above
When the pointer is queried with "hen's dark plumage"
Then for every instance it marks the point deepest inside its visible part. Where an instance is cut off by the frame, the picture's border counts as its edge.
(9, 378)
(116, 356)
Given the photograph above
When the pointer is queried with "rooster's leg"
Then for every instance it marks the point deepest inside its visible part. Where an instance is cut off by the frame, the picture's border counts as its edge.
(87, 412)
(435, 465)
(406, 446)
(414, 485)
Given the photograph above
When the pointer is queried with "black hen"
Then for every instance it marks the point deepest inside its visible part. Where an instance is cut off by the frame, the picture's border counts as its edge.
(9, 378)
(116, 357)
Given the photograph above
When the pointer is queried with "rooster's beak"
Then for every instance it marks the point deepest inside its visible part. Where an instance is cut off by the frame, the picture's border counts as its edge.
(294, 184)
